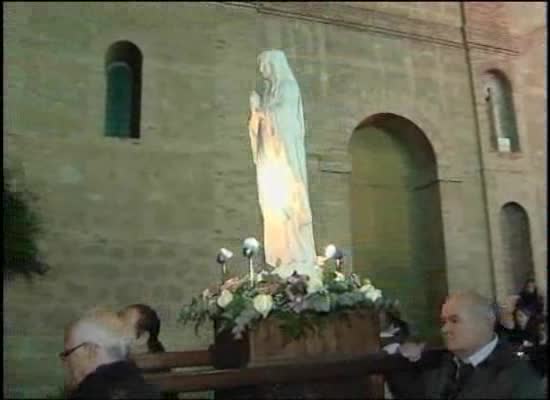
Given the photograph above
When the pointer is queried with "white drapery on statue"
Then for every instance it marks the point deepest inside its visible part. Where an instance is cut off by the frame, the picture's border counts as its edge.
(276, 128)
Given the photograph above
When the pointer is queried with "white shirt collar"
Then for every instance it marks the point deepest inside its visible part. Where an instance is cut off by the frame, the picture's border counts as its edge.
(480, 355)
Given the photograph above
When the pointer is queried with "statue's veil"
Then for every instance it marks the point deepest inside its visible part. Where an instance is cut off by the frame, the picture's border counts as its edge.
(282, 97)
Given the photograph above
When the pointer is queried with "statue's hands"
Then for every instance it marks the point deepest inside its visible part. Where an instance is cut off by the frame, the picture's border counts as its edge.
(254, 101)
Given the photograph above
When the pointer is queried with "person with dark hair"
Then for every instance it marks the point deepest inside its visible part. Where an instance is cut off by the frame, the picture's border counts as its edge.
(530, 300)
(524, 331)
(145, 323)
(95, 357)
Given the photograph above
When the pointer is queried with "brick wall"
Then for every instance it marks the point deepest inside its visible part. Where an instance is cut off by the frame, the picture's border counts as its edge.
(142, 220)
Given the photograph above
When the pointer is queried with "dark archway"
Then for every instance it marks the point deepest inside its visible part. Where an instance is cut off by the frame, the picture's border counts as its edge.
(397, 232)
(516, 242)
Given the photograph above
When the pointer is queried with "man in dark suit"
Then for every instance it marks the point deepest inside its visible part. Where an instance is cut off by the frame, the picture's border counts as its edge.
(478, 364)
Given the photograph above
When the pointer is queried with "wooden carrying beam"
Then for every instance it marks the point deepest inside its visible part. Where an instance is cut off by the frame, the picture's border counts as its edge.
(218, 379)
(375, 363)
(173, 359)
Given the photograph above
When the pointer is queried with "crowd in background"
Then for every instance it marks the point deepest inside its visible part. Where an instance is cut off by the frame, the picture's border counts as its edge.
(521, 317)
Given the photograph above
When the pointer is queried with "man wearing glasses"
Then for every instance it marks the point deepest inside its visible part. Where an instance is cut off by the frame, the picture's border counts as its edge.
(96, 360)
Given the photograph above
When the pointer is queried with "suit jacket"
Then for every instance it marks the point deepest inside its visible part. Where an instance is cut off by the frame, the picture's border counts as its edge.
(501, 376)
(119, 380)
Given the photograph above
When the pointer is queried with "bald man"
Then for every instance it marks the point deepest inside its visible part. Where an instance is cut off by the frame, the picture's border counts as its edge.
(477, 365)
(96, 360)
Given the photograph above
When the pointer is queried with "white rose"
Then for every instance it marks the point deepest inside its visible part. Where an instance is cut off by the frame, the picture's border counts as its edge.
(366, 288)
(263, 303)
(373, 294)
(225, 298)
(339, 276)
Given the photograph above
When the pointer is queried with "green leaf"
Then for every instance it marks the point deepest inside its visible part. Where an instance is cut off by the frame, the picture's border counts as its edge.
(338, 287)
(318, 302)
(346, 300)
(22, 227)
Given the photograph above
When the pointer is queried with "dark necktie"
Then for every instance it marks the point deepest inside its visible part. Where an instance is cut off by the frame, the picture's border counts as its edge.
(461, 374)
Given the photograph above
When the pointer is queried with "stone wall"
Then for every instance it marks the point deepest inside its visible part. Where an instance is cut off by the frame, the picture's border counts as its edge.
(141, 220)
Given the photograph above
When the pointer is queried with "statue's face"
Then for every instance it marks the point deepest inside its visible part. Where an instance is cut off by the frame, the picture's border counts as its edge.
(265, 69)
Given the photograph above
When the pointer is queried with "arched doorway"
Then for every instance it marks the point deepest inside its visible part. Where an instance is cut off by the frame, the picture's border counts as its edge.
(516, 242)
(397, 233)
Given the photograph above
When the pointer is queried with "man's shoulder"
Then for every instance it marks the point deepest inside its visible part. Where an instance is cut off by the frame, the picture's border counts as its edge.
(117, 380)
(509, 367)
(503, 356)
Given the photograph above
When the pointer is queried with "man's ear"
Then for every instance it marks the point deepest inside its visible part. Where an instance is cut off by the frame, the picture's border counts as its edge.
(493, 318)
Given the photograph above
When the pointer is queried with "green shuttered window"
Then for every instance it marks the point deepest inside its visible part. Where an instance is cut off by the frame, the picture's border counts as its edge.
(119, 100)
(123, 66)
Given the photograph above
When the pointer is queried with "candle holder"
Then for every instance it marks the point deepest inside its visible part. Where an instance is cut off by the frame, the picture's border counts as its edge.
(332, 252)
(339, 261)
(223, 256)
(250, 248)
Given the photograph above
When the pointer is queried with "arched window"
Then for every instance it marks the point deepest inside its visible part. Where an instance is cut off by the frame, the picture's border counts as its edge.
(516, 241)
(123, 101)
(500, 108)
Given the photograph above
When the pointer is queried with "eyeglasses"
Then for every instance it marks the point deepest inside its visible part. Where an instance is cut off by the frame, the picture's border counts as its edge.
(66, 353)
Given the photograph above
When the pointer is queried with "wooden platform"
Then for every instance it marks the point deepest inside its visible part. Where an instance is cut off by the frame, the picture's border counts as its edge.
(353, 334)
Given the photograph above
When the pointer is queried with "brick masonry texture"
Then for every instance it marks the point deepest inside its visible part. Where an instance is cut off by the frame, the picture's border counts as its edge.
(141, 220)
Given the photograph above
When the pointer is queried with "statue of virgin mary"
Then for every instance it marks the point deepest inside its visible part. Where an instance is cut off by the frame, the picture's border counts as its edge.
(276, 128)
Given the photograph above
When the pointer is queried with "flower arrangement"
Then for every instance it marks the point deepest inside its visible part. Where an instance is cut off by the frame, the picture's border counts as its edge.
(299, 303)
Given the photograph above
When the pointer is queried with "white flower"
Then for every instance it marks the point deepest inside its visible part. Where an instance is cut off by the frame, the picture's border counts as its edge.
(263, 304)
(367, 287)
(370, 291)
(206, 294)
(373, 294)
(225, 298)
(339, 276)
